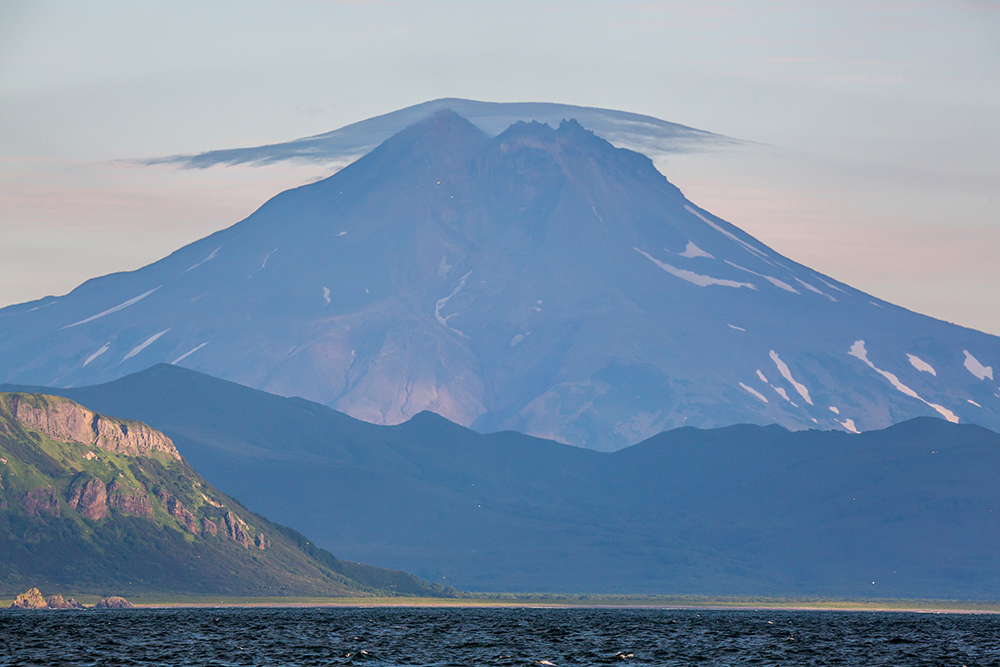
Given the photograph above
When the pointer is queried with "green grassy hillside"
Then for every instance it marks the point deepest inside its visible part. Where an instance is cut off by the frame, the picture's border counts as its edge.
(92, 504)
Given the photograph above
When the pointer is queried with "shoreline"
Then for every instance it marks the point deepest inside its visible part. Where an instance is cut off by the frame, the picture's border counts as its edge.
(561, 602)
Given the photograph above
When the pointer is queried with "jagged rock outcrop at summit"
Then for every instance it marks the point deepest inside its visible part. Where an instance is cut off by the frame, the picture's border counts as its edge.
(540, 280)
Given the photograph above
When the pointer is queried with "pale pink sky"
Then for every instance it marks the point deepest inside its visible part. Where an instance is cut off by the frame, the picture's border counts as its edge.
(877, 121)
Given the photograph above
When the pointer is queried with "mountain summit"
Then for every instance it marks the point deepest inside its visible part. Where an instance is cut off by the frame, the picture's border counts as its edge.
(540, 280)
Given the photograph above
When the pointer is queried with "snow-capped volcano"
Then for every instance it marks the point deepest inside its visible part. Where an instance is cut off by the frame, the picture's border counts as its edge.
(540, 280)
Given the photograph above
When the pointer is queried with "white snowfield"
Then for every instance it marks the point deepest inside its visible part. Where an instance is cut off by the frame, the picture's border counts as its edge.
(976, 368)
(771, 279)
(849, 425)
(762, 378)
(733, 326)
(787, 374)
(858, 350)
(814, 289)
(211, 256)
(784, 394)
(754, 392)
(97, 354)
(120, 306)
(692, 251)
(441, 303)
(691, 276)
(921, 365)
(749, 248)
(188, 354)
(142, 346)
(326, 294)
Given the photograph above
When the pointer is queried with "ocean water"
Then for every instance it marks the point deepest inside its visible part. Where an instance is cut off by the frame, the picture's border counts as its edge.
(445, 637)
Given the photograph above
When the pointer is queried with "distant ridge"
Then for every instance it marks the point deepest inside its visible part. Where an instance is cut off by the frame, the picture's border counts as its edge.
(906, 512)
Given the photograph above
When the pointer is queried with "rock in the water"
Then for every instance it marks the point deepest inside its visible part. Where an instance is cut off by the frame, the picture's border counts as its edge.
(57, 602)
(114, 602)
(30, 599)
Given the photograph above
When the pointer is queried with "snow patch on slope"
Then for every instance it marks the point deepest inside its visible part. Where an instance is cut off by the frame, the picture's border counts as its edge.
(774, 281)
(976, 368)
(120, 306)
(754, 392)
(692, 251)
(441, 303)
(211, 256)
(814, 289)
(858, 350)
(97, 354)
(717, 228)
(188, 354)
(691, 276)
(142, 346)
(787, 374)
(921, 365)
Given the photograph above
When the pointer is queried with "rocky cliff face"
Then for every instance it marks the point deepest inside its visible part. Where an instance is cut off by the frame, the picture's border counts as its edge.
(90, 500)
(102, 448)
(64, 420)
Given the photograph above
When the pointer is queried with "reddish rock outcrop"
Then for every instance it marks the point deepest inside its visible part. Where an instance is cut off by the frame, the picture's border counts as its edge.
(90, 500)
(134, 502)
(42, 500)
(210, 526)
(175, 509)
(237, 529)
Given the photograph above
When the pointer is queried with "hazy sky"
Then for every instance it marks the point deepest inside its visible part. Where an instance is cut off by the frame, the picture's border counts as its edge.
(877, 123)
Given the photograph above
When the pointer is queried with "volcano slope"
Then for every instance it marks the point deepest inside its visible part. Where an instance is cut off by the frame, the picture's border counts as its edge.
(541, 280)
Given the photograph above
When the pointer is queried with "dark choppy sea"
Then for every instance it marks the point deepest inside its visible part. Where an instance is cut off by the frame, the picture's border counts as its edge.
(394, 636)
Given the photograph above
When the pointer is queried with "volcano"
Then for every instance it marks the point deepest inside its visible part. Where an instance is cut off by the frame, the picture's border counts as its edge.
(540, 280)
